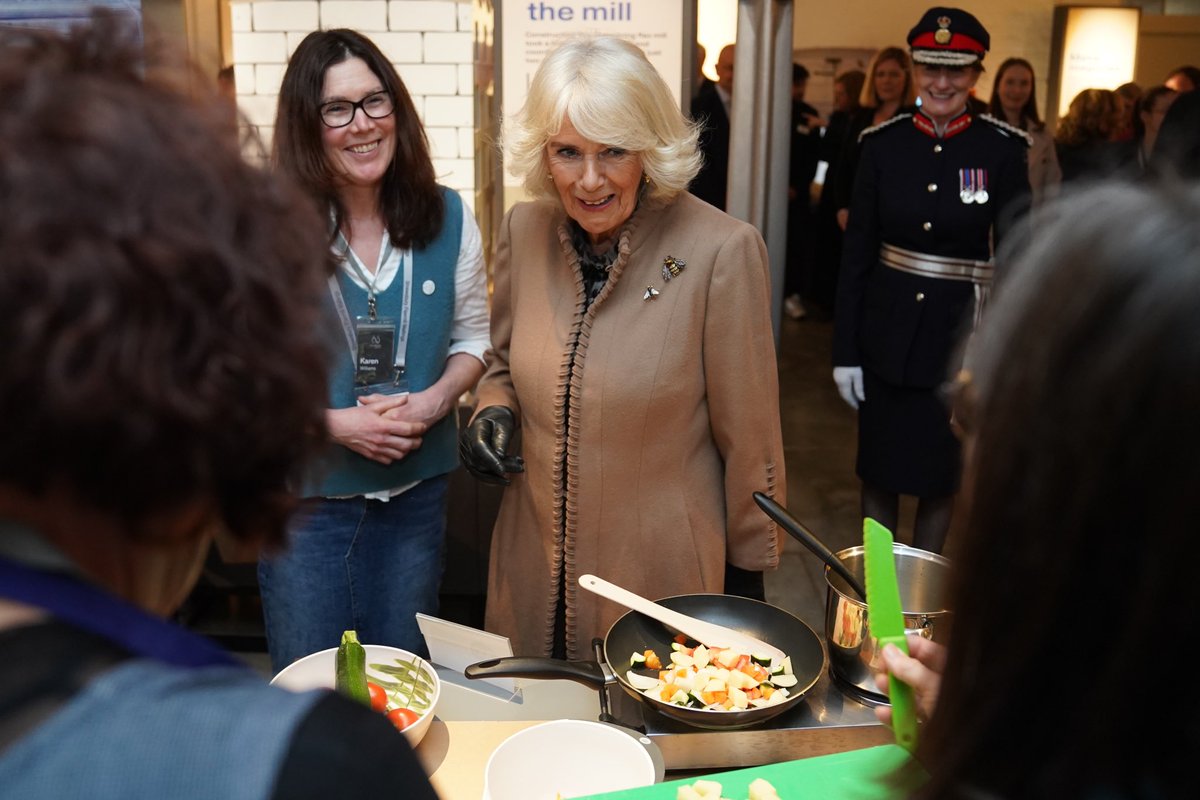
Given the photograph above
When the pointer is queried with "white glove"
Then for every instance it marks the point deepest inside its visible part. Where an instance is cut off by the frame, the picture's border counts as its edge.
(849, 381)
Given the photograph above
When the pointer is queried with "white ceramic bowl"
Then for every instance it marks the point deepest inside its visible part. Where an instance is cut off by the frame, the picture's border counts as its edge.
(567, 757)
(316, 671)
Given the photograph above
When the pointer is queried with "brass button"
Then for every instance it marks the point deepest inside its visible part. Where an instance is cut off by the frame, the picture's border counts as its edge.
(920, 296)
(931, 187)
(937, 148)
(927, 226)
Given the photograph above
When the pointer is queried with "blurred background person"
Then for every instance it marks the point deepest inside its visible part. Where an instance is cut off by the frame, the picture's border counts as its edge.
(934, 190)
(161, 380)
(847, 88)
(805, 151)
(1151, 111)
(1176, 150)
(1128, 96)
(704, 84)
(1083, 140)
(1183, 79)
(713, 112)
(888, 90)
(1014, 100)
(1028, 407)
(367, 552)
(633, 351)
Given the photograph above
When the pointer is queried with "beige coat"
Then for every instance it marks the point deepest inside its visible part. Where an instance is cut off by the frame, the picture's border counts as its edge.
(1044, 173)
(641, 470)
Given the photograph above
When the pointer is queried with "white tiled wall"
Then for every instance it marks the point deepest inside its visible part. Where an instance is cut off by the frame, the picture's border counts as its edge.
(429, 41)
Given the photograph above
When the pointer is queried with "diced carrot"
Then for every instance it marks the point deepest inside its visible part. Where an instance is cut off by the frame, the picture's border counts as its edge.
(679, 637)
(708, 697)
(664, 675)
(720, 697)
(668, 692)
(652, 660)
(682, 672)
(741, 662)
(753, 694)
(728, 704)
(767, 691)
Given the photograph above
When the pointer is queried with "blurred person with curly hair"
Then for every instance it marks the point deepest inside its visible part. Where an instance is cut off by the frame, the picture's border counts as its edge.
(161, 380)
(1083, 140)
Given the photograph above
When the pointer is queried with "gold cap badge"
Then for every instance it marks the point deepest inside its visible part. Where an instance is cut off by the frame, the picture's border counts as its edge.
(942, 35)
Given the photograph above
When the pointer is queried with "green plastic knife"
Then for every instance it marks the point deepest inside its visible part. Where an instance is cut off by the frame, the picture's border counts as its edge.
(886, 619)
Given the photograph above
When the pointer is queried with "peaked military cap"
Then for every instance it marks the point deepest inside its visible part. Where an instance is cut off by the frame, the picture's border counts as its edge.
(948, 37)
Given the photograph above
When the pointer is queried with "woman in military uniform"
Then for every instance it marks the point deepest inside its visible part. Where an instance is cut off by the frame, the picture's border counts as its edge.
(932, 196)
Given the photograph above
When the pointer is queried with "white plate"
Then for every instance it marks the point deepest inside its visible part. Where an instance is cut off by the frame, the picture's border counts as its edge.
(316, 671)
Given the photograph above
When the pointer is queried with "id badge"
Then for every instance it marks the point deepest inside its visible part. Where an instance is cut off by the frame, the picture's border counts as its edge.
(375, 371)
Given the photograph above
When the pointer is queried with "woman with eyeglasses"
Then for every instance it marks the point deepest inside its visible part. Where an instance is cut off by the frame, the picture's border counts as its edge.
(633, 354)
(407, 332)
(934, 190)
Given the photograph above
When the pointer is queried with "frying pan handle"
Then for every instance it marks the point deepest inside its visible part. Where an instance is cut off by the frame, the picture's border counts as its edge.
(809, 540)
(588, 673)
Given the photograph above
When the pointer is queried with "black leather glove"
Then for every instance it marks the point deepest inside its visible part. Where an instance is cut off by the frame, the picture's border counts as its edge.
(483, 446)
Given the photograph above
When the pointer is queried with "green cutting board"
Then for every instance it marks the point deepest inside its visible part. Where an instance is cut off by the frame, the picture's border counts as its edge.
(875, 773)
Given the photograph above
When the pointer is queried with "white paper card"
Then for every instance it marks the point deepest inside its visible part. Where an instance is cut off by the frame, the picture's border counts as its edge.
(456, 647)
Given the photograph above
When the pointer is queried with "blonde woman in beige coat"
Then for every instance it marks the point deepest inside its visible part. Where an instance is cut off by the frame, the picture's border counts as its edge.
(633, 351)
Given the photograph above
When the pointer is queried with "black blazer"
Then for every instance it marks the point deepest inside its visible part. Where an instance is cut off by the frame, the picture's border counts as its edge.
(907, 193)
(711, 184)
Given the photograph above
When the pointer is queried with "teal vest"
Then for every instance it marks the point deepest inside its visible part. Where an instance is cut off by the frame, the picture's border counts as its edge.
(344, 472)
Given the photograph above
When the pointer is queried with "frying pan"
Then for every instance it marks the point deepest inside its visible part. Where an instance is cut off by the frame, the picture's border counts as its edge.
(635, 632)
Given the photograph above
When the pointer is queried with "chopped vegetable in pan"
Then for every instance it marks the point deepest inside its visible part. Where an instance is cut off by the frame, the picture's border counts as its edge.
(711, 679)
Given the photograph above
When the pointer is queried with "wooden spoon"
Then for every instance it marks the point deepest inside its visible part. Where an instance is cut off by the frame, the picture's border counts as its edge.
(707, 633)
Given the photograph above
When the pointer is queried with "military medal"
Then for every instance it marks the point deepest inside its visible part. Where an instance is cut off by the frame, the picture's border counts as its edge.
(672, 267)
(981, 192)
(972, 186)
(966, 189)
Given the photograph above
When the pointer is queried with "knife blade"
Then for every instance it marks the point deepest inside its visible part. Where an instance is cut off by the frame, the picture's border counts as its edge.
(886, 619)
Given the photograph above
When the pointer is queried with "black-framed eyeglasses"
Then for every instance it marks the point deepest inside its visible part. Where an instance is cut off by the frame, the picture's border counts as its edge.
(340, 113)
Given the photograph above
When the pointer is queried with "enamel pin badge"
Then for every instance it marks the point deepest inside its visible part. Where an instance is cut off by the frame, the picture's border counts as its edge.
(672, 267)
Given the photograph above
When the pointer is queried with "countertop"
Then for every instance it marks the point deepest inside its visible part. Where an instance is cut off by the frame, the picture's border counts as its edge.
(473, 719)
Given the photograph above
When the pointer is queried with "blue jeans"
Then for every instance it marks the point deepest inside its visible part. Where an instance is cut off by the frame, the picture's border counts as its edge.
(358, 564)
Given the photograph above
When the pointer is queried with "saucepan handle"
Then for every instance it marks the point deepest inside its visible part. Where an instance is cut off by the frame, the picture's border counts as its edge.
(588, 673)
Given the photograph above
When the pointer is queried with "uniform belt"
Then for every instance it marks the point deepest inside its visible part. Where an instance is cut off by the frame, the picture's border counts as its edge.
(941, 267)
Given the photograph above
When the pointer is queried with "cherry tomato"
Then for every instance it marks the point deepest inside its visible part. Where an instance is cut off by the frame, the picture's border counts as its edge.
(402, 717)
(378, 696)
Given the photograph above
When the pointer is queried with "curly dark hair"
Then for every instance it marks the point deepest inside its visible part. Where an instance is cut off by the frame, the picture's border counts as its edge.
(1090, 118)
(159, 296)
(411, 201)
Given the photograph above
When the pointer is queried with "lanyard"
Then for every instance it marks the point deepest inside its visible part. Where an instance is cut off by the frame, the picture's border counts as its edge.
(83, 605)
(339, 300)
(35, 573)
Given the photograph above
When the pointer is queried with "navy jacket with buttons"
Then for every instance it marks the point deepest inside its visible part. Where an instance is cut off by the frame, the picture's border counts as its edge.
(907, 193)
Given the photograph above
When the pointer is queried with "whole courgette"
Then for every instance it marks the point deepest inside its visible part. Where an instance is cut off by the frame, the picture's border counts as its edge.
(351, 674)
